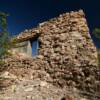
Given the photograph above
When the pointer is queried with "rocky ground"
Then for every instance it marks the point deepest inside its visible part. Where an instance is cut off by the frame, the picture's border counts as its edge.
(37, 90)
(33, 83)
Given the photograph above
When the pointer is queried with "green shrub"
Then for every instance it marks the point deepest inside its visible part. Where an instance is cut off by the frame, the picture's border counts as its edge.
(99, 58)
(4, 37)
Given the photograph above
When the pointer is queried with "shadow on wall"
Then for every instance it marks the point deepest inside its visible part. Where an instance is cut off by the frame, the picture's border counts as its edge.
(28, 47)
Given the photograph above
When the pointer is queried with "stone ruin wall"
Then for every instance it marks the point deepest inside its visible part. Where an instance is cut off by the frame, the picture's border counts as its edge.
(67, 53)
(66, 40)
(66, 45)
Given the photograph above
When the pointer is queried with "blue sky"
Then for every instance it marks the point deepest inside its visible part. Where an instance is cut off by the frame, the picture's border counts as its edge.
(26, 14)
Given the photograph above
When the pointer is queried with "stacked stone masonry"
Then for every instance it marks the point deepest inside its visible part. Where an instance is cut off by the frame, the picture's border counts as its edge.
(65, 43)
(66, 51)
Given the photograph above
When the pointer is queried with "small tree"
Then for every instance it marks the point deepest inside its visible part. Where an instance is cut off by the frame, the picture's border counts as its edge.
(4, 37)
(96, 33)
